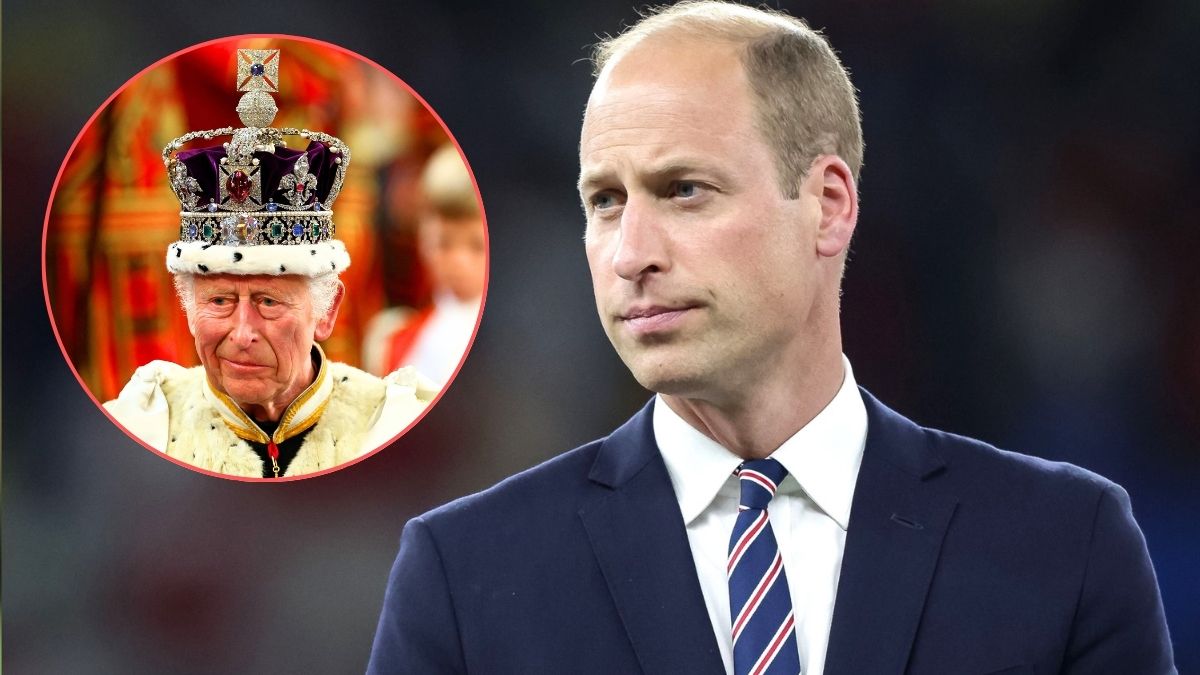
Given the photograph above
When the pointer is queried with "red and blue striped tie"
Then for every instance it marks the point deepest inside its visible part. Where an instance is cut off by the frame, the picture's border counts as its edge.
(760, 604)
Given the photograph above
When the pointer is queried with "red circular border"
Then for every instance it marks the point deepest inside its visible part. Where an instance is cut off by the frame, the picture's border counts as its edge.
(415, 95)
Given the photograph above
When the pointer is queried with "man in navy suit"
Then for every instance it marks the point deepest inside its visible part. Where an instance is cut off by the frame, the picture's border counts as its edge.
(762, 514)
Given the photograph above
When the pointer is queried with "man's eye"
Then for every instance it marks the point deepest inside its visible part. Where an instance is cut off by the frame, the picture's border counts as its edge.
(685, 189)
(219, 302)
(604, 200)
(269, 302)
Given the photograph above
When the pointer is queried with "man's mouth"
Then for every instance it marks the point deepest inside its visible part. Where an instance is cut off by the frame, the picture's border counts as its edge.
(650, 319)
(242, 366)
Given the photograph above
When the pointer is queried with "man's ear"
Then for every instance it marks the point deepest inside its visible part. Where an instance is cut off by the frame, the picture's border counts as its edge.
(325, 323)
(838, 196)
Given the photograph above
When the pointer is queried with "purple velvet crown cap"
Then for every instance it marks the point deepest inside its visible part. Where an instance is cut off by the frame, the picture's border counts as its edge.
(203, 164)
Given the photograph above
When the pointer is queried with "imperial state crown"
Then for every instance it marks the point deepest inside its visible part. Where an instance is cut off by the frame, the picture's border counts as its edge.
(251, 205)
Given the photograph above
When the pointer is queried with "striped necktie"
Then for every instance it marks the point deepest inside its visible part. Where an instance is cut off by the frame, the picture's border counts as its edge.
(764, 627)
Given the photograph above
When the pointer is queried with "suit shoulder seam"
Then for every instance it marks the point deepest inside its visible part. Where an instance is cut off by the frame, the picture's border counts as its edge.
(1087, 560)
(423, 524)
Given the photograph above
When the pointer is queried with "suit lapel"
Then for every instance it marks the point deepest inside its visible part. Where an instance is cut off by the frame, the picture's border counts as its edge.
(640, 542)
(897, 522)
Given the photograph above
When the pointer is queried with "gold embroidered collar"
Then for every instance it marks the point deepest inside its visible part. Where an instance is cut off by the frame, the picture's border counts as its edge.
(298, 417)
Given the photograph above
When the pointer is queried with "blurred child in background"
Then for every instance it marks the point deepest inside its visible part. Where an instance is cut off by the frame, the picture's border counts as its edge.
(452, 247)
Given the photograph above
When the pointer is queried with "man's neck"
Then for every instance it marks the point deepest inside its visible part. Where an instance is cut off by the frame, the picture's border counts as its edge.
(758, 422)
(271, 411)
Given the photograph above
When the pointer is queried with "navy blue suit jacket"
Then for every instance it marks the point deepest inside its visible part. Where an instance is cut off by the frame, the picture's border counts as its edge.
(960, 558)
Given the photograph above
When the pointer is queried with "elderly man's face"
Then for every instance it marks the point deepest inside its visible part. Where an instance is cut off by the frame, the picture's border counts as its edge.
(254, 335)
(704, 273)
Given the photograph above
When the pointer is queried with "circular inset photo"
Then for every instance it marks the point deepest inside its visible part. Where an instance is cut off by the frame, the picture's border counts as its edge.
(265, 257)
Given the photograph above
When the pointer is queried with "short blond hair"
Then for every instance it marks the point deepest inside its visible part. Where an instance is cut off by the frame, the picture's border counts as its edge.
(447, 184)
(806, 105)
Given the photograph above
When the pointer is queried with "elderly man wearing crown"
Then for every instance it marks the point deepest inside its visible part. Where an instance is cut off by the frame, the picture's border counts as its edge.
(256, 269)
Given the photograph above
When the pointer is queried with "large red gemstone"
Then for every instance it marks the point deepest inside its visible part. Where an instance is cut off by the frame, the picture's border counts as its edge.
(238, 186)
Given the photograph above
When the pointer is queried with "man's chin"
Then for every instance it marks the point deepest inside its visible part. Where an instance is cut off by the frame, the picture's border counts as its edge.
(246, 393)
(672, 379)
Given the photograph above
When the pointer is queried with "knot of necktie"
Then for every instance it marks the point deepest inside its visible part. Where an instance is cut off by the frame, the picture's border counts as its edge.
(759, 479)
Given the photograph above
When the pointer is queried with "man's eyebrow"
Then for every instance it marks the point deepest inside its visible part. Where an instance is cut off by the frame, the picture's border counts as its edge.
(669, 168)
(271, 291)
(590, 179)
(677, 166)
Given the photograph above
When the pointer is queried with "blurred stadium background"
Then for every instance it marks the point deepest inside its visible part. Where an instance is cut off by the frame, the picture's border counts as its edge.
(1024, 272)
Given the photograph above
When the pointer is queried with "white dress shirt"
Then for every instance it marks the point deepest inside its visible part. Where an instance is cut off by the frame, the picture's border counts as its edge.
(809, 514)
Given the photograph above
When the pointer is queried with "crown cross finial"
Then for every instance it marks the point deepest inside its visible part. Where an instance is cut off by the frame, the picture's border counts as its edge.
(257, 75)
(258, 70)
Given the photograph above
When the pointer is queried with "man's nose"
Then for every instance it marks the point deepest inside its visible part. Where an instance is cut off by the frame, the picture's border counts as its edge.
(245, 324)
(642, 242)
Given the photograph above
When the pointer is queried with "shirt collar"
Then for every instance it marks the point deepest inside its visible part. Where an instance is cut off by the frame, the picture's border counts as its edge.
(822, 458)
(301, 414)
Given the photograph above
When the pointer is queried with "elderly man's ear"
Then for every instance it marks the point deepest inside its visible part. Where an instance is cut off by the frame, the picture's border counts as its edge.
(832, 181)
(325, 323)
